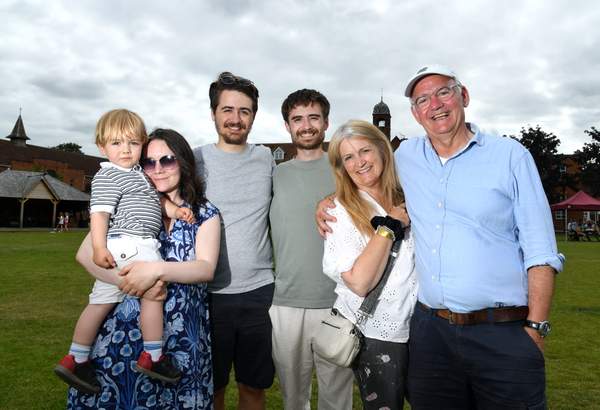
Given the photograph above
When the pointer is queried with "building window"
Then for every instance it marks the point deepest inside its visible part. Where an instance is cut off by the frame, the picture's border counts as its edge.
(381, 124)
(563, 169)
(559, 215)
(587, 216)
(278, 154)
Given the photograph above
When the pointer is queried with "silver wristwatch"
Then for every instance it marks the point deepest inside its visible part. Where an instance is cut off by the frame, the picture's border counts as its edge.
(543, 328)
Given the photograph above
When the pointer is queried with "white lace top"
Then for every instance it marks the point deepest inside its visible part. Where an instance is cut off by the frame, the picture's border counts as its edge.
(391, 319)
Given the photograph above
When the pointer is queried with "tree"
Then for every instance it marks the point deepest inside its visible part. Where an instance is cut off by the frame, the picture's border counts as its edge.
(69, 147)
(589, 158)
(543, 148)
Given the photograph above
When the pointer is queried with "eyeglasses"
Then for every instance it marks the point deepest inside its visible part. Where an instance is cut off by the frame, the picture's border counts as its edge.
(230, 79)
(443, 94)
(167, 162)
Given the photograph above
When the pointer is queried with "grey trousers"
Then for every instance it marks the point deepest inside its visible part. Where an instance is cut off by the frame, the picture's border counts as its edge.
(293, 330)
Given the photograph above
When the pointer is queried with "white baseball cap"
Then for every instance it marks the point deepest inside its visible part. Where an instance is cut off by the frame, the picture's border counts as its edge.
(425, 71)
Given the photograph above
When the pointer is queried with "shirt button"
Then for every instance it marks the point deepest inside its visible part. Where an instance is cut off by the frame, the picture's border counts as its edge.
(433, 251)
(439, 204)
(442, 180)
(433, 278)
(437, 227)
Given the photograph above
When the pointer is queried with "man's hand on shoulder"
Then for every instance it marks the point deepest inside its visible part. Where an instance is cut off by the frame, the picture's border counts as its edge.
(322, 217)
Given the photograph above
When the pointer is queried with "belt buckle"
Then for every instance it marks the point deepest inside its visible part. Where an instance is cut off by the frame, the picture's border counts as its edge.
(450, 317)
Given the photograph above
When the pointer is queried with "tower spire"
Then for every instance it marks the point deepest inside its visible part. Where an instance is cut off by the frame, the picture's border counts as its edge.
(382, 118)
(18, 136)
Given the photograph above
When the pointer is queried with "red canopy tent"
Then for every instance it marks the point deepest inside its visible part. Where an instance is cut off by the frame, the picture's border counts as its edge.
(579, 202)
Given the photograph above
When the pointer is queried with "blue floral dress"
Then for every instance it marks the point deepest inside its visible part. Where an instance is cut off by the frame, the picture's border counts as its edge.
(186, 339)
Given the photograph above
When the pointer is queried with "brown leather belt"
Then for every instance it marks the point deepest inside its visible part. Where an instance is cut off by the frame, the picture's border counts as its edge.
(489, 315)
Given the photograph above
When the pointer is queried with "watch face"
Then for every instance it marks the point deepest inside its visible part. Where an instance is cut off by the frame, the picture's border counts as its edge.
(544, 328)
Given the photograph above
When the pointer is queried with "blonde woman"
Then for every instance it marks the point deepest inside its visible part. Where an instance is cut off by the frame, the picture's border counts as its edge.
(356, 254)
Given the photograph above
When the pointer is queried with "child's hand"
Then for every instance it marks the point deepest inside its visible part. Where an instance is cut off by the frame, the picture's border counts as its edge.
(103, 258)
(185, 214)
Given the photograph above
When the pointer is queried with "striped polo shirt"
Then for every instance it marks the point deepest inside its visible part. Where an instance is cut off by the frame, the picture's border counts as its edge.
(130, 199)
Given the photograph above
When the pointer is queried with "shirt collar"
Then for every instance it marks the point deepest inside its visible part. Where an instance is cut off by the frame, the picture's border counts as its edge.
(477, 138)
(477, 135)
(108, 164)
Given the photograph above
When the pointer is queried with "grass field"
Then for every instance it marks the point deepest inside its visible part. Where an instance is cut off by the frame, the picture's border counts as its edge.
(43, 290)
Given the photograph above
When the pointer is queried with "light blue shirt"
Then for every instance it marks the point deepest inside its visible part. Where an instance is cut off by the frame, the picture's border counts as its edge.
(480, 221)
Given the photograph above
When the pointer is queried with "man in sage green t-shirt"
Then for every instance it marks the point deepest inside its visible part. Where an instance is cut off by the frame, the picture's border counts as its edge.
(303, 294)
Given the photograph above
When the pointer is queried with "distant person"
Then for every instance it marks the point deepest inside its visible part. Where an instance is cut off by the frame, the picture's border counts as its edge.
(590, 230)
(190, 253)
(573, 230)
(303, 294)
(60, 224)
(238, 182)
(66, 221)
(125, 222)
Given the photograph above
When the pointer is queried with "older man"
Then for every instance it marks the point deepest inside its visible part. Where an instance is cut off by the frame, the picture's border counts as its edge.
(485, 253)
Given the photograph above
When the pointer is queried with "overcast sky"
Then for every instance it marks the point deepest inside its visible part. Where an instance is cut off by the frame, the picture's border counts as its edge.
(67, 62)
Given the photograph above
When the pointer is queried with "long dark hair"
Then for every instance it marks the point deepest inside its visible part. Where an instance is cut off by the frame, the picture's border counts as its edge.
(191, 186)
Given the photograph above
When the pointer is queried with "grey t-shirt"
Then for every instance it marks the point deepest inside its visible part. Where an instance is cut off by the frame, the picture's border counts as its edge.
(239, 185)
(299, 280)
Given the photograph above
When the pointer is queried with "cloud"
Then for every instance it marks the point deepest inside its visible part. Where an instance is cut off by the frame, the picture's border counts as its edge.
(66, 62)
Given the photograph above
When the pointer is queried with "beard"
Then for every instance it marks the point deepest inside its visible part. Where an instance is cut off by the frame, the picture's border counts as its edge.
(315, 143)
(234, 138)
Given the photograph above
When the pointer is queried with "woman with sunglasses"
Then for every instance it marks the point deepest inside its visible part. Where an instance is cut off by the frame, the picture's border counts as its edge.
(190, 253)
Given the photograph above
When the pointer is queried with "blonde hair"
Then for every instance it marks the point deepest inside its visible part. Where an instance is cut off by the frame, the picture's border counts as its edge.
(346, 191)
(120, 123)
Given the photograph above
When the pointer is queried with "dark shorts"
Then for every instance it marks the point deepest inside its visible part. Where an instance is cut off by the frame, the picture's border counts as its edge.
(241, 336)
(483, 366)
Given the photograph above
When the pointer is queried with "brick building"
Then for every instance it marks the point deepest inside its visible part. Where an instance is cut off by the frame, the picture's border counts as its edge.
(38, 183)
(74, 169)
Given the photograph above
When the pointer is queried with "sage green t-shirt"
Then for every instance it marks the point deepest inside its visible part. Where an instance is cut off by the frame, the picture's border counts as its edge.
(298, 249)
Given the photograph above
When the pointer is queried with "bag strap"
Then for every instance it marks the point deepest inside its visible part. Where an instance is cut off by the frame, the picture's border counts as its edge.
(370, 303)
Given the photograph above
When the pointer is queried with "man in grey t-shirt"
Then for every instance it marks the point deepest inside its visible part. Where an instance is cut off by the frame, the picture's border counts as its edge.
(303, 294)
(238, 182)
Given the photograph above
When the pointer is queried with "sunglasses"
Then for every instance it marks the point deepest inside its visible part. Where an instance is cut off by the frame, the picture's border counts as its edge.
(230, 79)
(167, 162)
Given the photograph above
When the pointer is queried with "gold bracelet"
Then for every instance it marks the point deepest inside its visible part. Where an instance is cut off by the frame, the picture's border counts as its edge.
(385, 232)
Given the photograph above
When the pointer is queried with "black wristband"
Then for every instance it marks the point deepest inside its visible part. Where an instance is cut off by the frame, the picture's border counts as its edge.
(394, 224)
